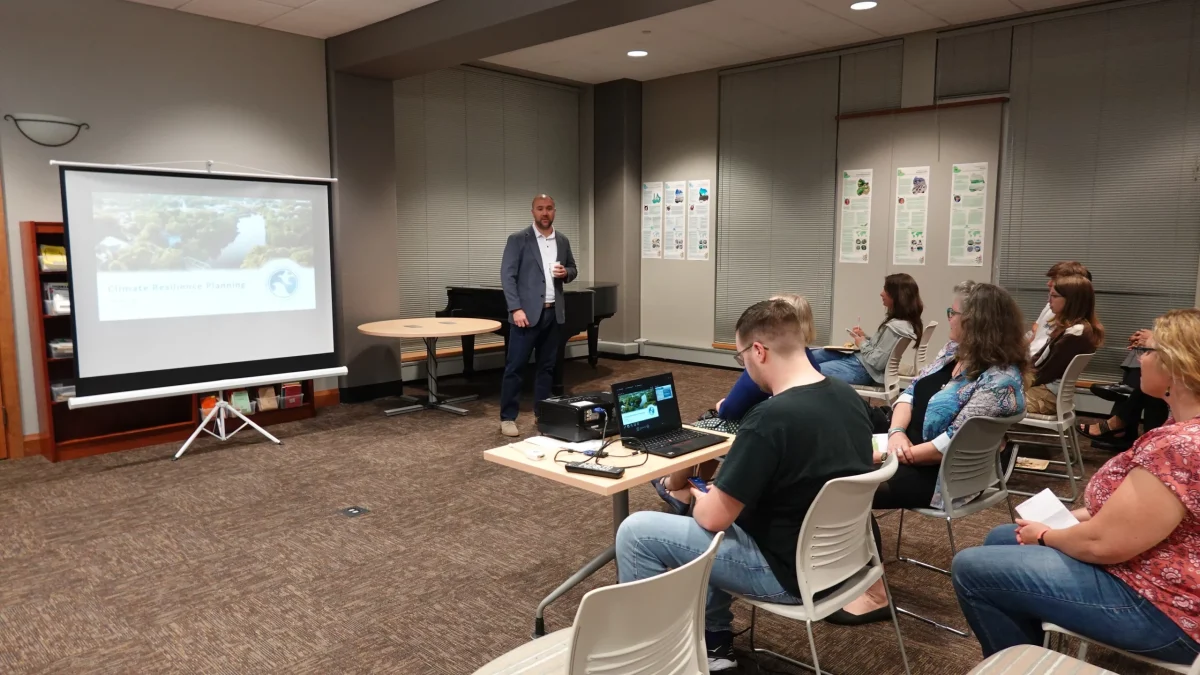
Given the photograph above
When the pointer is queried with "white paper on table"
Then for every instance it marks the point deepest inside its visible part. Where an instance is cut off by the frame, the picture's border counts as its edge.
(584, 446)
(547, 442)
(1045, 508)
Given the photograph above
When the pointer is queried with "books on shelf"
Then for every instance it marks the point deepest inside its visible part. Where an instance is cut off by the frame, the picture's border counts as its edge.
(61, 348)
(52, 258)
(56, 296)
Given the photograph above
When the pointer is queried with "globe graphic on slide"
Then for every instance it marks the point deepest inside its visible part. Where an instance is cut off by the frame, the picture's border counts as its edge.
(283, 283)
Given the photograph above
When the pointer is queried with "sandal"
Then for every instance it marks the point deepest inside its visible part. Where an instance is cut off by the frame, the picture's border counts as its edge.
(1106, 432)
(678, 507)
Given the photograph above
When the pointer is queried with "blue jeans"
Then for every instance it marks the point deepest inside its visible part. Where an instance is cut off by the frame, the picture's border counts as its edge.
(1007, 591)
(844, 367)
(650, 543)
(542, 334)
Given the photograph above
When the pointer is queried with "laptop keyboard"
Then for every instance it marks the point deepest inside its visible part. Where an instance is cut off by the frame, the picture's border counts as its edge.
(671, 438)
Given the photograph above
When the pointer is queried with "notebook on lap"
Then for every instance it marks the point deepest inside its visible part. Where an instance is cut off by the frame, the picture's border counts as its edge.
(649, 411)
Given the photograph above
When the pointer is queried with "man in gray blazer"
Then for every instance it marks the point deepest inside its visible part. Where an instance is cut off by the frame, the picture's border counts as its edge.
(537, 262)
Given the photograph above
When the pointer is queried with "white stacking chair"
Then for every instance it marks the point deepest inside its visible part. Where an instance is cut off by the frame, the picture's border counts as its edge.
(1034, 660)
(890, 390)
(654, 625)
(920, 356)
(1060, 426)
(970, 466)
(835, 550)
(1050, 628)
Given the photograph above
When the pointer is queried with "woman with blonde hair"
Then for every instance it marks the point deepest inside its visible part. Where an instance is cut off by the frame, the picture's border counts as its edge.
(1128, 575)
(745, 394)
(1074, 330)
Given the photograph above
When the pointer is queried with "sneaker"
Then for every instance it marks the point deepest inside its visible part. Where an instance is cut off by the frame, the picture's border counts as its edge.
(720, 651)
(509, 428)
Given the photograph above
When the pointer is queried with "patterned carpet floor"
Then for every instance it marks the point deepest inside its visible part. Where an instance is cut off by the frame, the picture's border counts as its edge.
(236, 559)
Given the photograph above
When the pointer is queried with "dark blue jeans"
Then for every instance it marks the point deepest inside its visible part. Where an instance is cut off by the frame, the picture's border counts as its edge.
(541, 335)
(1007, 591)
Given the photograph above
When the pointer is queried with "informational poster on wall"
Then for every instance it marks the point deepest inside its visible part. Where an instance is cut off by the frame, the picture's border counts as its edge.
(674, 220)
(856, 215)
(912, 215)
(698, 202)
(968, 214)
(652, 210)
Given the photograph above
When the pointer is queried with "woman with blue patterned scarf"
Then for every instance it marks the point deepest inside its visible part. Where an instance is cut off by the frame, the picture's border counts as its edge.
(977, 374)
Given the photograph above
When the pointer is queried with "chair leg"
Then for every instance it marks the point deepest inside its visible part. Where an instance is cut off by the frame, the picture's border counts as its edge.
(812, 645)
(950, 530)
(1012, 515)
(899, 537)
(1070, 465)
(753, 616)
(896, 623)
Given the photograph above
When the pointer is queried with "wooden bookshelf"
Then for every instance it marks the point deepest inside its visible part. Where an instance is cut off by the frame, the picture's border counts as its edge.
(72, 434)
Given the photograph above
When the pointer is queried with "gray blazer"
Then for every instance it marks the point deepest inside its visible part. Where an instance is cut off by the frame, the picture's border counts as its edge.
(523, 279)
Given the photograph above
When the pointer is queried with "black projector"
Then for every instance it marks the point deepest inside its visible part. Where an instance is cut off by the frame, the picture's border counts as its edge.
(575, 418)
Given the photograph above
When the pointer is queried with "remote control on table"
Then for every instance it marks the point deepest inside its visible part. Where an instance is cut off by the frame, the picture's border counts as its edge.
(595, 469)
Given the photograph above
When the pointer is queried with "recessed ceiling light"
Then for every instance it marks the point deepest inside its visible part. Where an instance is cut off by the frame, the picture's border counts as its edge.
(869, 4)
(638, 53)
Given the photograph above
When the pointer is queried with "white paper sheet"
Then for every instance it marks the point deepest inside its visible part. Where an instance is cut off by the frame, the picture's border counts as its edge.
(652, 210)
(699, 244)
(1045, 508)
(675, 220)
(855, 245)
(968, 214)
(912, 215)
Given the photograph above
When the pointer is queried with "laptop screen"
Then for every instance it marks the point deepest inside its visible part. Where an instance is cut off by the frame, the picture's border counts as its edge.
(648, 406)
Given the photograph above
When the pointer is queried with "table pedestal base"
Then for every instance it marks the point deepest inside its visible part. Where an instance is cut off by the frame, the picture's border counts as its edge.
(435, 401)
(620, 513)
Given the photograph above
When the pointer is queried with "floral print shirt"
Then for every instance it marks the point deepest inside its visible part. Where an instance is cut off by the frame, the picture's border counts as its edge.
(997, 392)
(1167, 575)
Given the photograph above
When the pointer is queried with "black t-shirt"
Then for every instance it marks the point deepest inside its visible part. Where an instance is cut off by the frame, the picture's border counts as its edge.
(785, 451)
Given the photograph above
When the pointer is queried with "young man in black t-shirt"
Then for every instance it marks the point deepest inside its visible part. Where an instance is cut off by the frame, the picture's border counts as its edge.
(813, 429)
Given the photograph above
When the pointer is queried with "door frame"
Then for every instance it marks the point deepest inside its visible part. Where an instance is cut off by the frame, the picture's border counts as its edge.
(10, 391)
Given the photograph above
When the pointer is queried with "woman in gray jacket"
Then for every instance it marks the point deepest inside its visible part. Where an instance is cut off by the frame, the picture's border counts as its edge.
(902, 299)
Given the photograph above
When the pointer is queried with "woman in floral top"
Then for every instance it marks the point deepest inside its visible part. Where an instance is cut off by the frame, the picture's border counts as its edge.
(978, 373)
(1128, 575)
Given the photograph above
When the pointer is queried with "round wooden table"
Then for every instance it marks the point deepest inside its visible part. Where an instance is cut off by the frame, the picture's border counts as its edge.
(430, 330)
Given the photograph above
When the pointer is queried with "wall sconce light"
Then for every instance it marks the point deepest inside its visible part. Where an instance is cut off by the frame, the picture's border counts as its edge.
(47, 130)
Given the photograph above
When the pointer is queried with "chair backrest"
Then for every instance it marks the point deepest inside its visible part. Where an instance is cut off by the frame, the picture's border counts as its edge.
(891, 373)
(1195, 670)
(835, 539)
(922, 351)
(971, 464)
(655, 625)
(1066, 388)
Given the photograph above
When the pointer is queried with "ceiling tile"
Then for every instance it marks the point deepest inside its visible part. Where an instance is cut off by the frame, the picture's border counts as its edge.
(810, 23)
(252, 12)
(891, 17)
(1035, 5)
(289, 3)
(169, 4)
(966, 11)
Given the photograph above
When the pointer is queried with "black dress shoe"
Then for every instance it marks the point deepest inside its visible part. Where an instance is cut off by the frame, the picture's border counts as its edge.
(1112, 444)
(844, 618)
(1114, 393)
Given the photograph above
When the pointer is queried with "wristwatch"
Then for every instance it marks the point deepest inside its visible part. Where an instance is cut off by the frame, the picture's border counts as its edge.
(1042, 538)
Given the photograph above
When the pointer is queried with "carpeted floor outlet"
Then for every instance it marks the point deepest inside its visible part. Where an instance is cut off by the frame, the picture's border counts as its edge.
(236, 559)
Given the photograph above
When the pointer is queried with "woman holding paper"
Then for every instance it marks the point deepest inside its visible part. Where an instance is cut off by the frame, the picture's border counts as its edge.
(1128, 575)
(978, 373)
(902, 300)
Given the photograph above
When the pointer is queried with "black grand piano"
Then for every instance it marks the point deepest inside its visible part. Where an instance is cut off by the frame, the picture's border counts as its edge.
(586, 308)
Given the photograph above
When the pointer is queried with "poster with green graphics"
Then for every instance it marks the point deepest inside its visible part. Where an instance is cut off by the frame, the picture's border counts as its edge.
(854, 244)
(912, 215)
(968, 214)
(652, 220)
